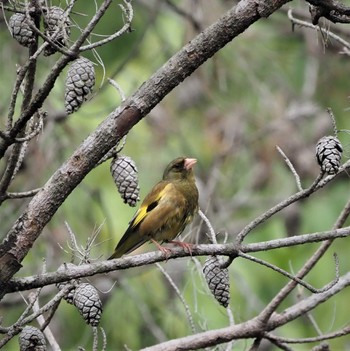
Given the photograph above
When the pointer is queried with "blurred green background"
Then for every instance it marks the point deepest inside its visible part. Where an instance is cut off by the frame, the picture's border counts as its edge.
(270, 86)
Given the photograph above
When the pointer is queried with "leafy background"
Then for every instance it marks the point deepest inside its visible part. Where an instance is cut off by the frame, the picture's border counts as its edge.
(270, 86)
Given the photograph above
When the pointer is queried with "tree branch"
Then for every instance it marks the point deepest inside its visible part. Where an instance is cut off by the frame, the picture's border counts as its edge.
(252, 328)
(20, 284)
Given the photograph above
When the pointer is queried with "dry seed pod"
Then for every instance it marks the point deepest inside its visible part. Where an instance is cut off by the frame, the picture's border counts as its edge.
(80, 82)
(69, 296)
(218, 280)
(328, 154)
(20, 29)
(87, 301)
(31, 339)
(124, 173)
(55, 20)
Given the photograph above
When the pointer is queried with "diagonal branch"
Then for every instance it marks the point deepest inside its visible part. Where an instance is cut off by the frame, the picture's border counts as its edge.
(252, 328)
(310, 263)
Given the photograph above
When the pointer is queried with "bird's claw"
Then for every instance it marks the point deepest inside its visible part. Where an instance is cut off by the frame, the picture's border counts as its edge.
(185, 246)
(162, 249)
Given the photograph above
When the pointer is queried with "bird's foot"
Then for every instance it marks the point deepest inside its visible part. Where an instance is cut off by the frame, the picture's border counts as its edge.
(185, 246)
(162, 249)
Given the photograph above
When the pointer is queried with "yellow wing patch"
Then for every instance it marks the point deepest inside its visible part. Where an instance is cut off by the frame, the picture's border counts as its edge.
(150, 202)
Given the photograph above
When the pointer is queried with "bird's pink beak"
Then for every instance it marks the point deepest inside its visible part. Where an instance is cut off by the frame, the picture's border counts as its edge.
(189, 163)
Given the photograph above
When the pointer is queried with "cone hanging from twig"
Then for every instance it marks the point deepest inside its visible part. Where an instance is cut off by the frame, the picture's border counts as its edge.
(88, 302)
(218, 280)
(328, 154)
(20, 29)
(124, 173)
(56, 25)
(79, 84)
(31, 339)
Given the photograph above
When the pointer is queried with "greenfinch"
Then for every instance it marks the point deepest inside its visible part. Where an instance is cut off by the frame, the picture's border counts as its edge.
(165, 211)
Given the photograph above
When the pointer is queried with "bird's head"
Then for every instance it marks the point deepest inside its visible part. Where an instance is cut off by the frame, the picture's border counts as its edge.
(180, 168)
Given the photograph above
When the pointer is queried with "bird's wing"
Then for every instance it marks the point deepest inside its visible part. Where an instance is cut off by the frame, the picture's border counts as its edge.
(166, 211)
(157, 204)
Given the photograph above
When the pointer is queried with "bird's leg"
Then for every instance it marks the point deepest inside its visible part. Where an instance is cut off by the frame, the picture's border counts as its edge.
(185, 246)
(164, 250)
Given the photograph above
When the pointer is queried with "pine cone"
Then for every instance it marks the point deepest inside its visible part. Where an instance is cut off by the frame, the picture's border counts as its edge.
(218, 280)
(60, 286)
(87, 301)
(124, 173)
(328, 154)
(54, 19)
(31, 339)
(79, 84)
(20, 29)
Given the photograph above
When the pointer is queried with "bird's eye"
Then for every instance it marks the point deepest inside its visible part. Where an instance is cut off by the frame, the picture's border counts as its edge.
(178, 166)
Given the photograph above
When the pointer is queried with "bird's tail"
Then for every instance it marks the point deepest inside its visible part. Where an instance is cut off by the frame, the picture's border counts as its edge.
(116, 254)
(127, 245)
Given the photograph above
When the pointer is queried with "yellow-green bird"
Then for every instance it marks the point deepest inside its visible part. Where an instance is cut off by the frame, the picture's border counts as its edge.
(165, 211)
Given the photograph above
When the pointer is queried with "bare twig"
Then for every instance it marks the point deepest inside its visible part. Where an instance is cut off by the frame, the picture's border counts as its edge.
(300, 195)
(281, 346)
(231, 322)
(334, 123)
(291, 167)
(129, 14)
(185, 14)
(212, 235)
(23, 149)
(181, 297)
(104, 339)
(336, 334)
(43, 325)
(318, 28)
(95, 340)
(80, 251)
(35, 129)
(22, 194)
(296, 240)
(291, 276)
(118, 88)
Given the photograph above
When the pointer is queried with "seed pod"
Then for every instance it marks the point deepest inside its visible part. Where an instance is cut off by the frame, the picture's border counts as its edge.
(124, 173)
(87, 301)
(55, 20)
(328, 154)
(69, 296)
(79, 84)
(21, 30)
(218, 280)
(31, 339)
